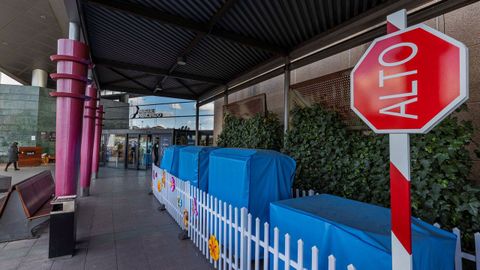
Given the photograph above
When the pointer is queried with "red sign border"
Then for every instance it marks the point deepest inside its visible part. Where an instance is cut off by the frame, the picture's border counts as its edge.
(442, 114)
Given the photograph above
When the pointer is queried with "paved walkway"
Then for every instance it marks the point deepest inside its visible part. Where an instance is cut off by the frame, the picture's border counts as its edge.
(118, 227)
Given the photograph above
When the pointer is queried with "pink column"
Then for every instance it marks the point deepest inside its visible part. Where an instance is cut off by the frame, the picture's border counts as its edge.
(88, 133)
(72, 65)
(96, 144)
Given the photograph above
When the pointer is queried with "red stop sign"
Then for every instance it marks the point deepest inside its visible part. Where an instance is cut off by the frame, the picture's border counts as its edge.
(408, 81)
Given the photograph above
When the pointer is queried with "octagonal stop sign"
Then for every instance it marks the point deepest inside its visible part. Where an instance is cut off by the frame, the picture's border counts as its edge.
(408, 81)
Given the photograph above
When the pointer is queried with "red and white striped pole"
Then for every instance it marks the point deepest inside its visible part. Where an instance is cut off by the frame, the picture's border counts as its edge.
(400, 180)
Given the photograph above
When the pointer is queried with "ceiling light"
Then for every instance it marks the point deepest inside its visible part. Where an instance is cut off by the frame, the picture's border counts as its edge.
(181, 61)
(158, 88)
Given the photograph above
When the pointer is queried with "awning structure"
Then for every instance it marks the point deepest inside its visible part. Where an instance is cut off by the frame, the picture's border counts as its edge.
(201, 50)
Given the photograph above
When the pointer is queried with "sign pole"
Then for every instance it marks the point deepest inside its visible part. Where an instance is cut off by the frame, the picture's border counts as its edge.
(400, 180)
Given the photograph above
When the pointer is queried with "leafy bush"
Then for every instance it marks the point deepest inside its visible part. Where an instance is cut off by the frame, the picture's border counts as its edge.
(263, 132)
(355, 164)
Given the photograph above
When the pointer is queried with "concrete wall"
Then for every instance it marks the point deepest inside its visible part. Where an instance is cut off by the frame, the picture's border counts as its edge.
(25, 111)
(115, 110)
(462, 24)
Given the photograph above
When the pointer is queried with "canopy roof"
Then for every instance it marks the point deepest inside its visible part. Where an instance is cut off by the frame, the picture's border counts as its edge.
(138, 46)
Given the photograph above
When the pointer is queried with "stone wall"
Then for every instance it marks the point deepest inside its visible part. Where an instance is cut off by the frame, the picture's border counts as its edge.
(24, 112)
(462, 24)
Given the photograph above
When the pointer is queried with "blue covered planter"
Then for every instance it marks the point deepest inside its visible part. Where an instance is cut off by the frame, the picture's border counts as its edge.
(355, 233)
(171, 159)
(193, 166)
(250, 178)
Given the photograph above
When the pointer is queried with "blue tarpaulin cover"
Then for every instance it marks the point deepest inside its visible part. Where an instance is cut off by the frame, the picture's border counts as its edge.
(171, 159)
(250, 178)
(193, 165)
(356, 233)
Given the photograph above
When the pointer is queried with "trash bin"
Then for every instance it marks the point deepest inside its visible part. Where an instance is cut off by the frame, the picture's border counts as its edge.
(62, 227)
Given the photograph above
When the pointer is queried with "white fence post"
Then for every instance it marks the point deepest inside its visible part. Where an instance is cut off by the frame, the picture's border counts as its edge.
(477, 250)
(287, 251)
(458, 250)
(224, 222)
(300, 254)
(331, 262)
(243, 247)
(275, 248)
(314, 258)
(236, 238)
(266, 241)
(249, 242)
(257, 244)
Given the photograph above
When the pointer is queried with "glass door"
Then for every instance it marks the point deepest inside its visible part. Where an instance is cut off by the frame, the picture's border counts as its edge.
(115, 151)
(132, 152)
(145, 152)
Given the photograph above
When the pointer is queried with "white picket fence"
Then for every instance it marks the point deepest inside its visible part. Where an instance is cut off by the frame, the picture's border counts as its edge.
(459, 254)
(234, 233)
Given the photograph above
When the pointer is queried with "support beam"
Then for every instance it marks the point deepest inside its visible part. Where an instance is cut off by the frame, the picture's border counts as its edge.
(286, 89)
(39, 77)
(107, 83)
(186, 87)
(142, 91)
(225, 97)
(155, 71)
(190, 25)
(197, 124)
(146, 87)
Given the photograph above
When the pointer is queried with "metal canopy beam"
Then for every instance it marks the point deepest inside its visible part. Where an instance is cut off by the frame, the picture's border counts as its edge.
(144, 92)
(190, 25)
(126, 80)
(199, 36)
(186, 87)
(340, 38)
(144, 86)
(154, 71)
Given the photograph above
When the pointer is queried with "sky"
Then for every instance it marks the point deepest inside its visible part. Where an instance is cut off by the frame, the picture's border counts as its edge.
(4, 79)
(177, 108)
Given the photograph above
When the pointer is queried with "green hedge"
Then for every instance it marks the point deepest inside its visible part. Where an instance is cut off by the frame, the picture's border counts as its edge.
(263, 132)
(355, 164)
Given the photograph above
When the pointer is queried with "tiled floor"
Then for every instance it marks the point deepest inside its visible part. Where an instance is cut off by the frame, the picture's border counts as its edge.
(119, 227)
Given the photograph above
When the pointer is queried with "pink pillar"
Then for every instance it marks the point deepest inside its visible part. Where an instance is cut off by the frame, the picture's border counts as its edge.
(72, 65)
(96, 144)
(88, 132)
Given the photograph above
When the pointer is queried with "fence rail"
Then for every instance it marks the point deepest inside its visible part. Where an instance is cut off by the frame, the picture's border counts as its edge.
(227, 236)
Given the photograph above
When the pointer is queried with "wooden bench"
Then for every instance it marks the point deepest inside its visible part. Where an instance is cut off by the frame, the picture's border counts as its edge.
(26, 206)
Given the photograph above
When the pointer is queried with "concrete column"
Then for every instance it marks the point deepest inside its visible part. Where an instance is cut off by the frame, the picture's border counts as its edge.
(88, 132)
(124, 98)
(39, 77)
(97, 140)
(72, 66)
(73, 31)
(197, 124)
(286, 88)
(225, 97)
